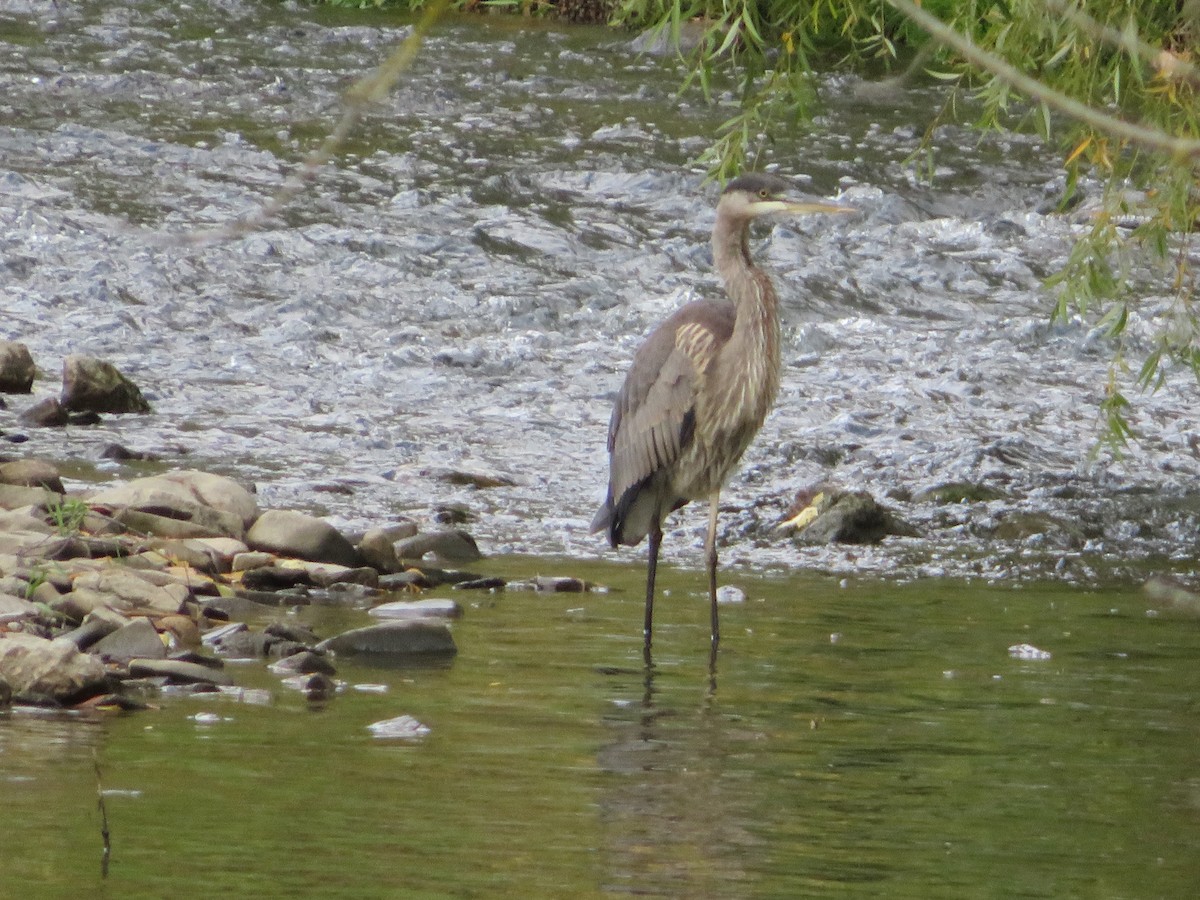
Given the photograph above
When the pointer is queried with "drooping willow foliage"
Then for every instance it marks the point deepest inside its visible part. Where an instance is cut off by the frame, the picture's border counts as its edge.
(1113, 83)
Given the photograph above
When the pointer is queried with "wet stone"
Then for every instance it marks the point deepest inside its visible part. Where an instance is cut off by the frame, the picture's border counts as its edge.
(34, 473)
(398, 640)
(17, 369)
(176, 671)
(47, 413)
(448, 546)
(306, 662)
(139, 639)
(296, 534)
(418, 609)
(376, 545)
(92, 385)
(274, 578)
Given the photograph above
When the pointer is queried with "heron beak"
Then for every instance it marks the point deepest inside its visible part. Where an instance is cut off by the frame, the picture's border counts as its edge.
(808, 207)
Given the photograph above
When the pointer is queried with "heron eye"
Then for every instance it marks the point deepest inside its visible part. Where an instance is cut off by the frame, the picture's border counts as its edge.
(764, 193)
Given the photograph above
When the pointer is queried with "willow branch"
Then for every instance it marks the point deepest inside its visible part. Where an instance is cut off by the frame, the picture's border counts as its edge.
(1169, 64)
(1175, 147)
(357, 100)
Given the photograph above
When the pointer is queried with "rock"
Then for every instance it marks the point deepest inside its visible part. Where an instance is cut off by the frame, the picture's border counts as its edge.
(845, 517)
(327, 575)
(292, 533)
(418, 609)
(221, 550)
(1169, 594)
(562, 584)
(32, 473)
(274, 578)
(36, 668)
(125, 591)
(17, 370)
(14, 608)
(480, 480)
(251, 559)
(177, 671)
(92, 385)
(306, 662)
(137, 640)
(451, 545)
(377, 545)
(242, 644)
(291, 631)
(17, 496)
(395, 640)
(958, 492)
(730, 594)
(181, 505)
(489, 583)
(47, 413)
(404, 728)
(93, 629)
(216, 635)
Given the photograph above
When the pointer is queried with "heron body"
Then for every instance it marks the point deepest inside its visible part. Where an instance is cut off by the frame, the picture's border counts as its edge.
(699, 389)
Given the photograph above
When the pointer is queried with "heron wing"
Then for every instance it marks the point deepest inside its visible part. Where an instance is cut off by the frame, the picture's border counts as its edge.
(654, 418)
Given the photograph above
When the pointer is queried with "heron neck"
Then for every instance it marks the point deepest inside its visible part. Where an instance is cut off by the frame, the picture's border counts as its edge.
(748, 286)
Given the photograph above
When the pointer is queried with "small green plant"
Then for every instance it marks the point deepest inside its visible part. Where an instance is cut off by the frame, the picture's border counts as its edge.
(67, 515)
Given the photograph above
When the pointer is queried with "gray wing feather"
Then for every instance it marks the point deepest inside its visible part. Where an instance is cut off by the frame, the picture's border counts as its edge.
(652, 422)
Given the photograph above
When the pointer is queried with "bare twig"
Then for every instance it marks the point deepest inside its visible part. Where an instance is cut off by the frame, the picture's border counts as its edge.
(106, 855)
(360, 96)
(1175, 147)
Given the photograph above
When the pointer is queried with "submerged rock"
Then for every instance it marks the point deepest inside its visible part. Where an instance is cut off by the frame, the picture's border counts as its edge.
(92, 385)
(397, 640)
(417, 609)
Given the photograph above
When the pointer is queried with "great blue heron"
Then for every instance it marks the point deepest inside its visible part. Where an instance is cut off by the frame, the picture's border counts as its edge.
(699, 389)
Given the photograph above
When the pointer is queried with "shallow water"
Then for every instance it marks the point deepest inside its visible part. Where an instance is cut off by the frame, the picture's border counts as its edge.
(863, 739)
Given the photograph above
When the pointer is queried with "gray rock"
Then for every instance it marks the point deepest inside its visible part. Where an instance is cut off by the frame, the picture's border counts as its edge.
(292, 533)
(137, 640)
(396, 640)
(125, 591)
(306, 662)
(252, 559)
(92, 385)
(180, 505)
(19, 496)
(36, 667)
(32, 473)
(418, 609)
(47, 413)
(93, 629)
(845, 517)
(177, 672)
(17, 370)
(451, 545)
(14, 608)
(215, 635)
(376, 546)
(404, 728)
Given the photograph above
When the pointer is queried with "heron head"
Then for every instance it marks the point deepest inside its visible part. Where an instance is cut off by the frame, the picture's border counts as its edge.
(760, 194)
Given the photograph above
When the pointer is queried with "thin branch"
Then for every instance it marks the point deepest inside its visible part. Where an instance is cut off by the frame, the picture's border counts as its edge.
(358, 99)
(106, 854)
(1175, 147)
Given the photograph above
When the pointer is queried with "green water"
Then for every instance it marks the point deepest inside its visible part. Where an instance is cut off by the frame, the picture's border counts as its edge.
(910, 756)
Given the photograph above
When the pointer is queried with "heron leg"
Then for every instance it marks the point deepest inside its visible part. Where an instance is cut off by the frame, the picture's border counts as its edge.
(651, 571)
(710, 555)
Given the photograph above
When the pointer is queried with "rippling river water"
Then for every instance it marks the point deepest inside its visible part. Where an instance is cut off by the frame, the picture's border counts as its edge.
(462, 291)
